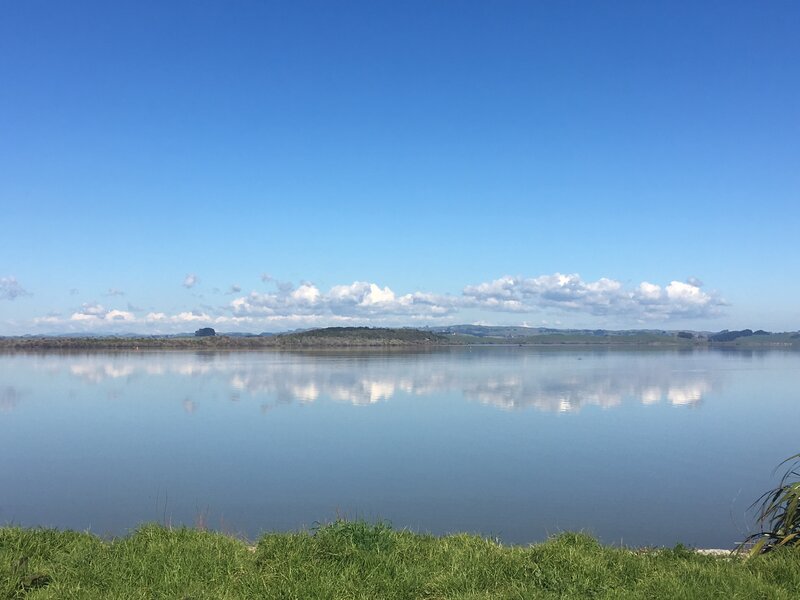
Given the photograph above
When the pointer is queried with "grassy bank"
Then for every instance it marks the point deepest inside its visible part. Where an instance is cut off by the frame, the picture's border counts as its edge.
(357, 560)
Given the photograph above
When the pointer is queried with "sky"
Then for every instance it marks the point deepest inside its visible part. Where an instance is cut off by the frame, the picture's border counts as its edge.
(258, 166)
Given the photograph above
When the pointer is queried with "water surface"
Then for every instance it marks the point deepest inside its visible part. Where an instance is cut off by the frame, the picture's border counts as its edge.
(637, 447)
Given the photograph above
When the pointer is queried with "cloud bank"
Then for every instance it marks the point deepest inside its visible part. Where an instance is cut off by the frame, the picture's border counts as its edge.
(363, 302)
(604, 297)
(570, 293)
(358, 299)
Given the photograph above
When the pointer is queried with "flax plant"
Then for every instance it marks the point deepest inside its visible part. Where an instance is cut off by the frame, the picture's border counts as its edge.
(779, 512)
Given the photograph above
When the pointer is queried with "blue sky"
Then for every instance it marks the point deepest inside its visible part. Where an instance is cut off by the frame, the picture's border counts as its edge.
(262, 166)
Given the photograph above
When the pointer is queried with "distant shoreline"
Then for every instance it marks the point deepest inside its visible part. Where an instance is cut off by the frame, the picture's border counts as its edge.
(402, 338)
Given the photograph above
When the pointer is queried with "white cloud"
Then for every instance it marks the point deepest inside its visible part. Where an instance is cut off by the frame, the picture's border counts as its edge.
(119, 315)
(48, 319)
(91, 312)
(82, 317)
(88, 310)
(358, 299)
(306, 294)
(685, 292)
(190, 280)
(598, 298)
(182, 317)
(361, 294)
(10, 289)
(376, 296)
(189, 317)
(649, 291)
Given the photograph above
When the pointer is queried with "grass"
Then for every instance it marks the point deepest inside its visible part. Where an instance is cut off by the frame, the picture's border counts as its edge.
(356, 560)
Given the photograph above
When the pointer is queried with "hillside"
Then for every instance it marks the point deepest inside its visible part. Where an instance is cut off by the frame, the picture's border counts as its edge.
(359, 336)
(482, 334)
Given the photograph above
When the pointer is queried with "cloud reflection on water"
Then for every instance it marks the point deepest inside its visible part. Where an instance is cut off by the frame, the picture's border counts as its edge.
(508, 380)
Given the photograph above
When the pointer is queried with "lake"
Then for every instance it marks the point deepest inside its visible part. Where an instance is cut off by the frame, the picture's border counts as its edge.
(639, 447)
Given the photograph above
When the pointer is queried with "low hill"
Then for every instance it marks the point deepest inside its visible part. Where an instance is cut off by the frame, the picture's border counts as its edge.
(514, 331)
(483, 334)
(359, 336)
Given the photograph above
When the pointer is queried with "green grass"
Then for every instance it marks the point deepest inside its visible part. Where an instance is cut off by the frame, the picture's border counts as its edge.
(358, 560)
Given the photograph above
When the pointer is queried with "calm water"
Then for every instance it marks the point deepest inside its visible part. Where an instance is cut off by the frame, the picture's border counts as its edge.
(638, 447)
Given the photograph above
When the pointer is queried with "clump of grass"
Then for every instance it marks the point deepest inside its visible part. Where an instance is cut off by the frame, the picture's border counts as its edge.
(358, 560)
(779, 513)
